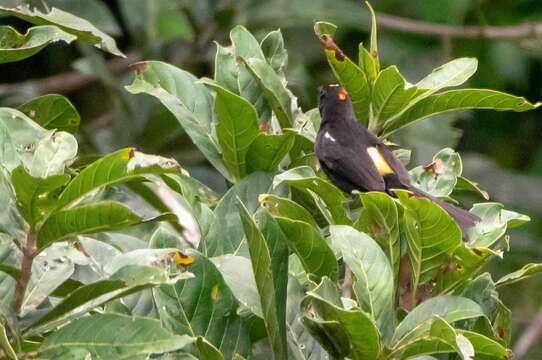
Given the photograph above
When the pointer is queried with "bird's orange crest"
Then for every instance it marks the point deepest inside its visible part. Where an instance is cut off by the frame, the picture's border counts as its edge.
(342, 94)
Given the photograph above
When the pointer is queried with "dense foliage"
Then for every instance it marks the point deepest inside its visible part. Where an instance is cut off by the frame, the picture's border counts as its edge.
(127, 255)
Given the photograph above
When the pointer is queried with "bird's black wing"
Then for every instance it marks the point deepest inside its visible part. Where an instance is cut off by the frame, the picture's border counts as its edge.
(352, 165)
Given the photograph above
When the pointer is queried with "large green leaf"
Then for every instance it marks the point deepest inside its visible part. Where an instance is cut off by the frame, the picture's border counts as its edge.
(453, 73)
(203, 306)
(457, 100)
(440, 177)
(390, 95)
(267, 151)
(279, 206)
(33, 194)
(239, 277)
(524, 273)
(379, 218)
(190, 102)
(463, 265)
(373, 284)
(226, 68)
(301, 345)
(42, 152)
(52, 111)
(139, 336)
(49, 271)
(245, 46)
(418, 322)
(226, 232)
(117, 167)
(67, 22)
(274, 51)
(269, 257)
(12, 224)
(236, 129)
(305, 179)
(275, 92)
(361, 332)
(431, 236)
(89, 219)
(15, 46)
(308, 244)
(494, 222)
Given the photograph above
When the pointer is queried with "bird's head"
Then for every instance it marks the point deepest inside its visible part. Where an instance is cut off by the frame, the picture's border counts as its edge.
(334, 103)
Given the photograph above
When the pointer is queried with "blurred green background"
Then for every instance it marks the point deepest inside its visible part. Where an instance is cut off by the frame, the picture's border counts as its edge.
(501, 151)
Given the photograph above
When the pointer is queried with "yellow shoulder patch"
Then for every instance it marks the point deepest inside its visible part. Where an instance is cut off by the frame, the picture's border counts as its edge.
(381, 164)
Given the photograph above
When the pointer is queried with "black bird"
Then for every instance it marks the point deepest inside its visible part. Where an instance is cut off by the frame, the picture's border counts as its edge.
(355, 159)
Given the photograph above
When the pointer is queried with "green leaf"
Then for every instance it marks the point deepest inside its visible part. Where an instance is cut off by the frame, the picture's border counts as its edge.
(464, 184)
(67, 22)
(269, 257)
(418, 322)
(15, 46)
(463, 265)
(267, 151)
(524, 273)
(311, 248)
(453, 73)
(273, 89)
(236, 129)
(374, 36)
(189, 101)
(301, 345)
(239, 277)
(495, 221)
(49, 271)
(226, 69)
(139, 336)
(379, 219)
(5, 345)
(354, 80)
(274, 51)
(33, 194)
(226, 232)
(305, 179)
(283, 207)
(12, 224)
(486, 346)
(431, 236)
(53, 154)
(368, 64)
(54, 112)
(373, 284)
(390, 95)
(246, 46)
(203, 306)
(89, 219)
(117, 167)
(457, 100)
(360, 330)
(440, 177)
(324, 28)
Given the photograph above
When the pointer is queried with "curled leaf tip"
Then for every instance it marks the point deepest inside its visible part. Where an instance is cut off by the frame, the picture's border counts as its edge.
(139, 67)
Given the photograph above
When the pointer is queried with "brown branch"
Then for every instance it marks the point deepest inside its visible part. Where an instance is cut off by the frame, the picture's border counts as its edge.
(520, 31)
(29, 252)
(530, 336)
(66, 82)
(347, 283)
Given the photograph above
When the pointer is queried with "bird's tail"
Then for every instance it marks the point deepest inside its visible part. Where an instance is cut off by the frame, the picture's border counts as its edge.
(462, 217)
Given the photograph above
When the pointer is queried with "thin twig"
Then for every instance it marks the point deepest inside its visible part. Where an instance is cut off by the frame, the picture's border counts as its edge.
(66, 82)
(530, 336)
(347, 283)
(29, 252)
(519, 31)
